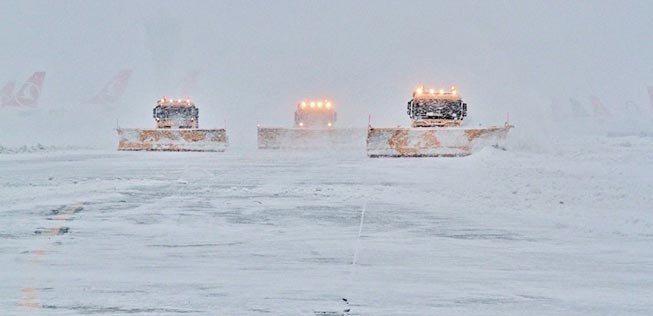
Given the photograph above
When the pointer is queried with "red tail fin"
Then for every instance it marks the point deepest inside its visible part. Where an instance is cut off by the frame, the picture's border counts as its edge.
(30, 92)
(7, 93)
(113, 90)
(598, 107)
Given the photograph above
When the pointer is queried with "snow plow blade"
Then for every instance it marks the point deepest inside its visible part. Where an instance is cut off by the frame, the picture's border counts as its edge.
(432, 141)
(310, 138)
(172, 139)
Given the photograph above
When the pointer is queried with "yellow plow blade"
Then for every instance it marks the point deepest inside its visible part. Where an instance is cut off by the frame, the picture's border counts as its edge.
(172, 139)
(431, 141)
(309, 138)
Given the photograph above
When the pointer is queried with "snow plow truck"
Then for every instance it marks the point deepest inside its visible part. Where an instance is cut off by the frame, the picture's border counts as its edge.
(314, 128)
(177, 129)
(436, 129)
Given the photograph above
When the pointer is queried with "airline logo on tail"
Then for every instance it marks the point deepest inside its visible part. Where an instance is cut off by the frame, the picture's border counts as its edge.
(598, 107)
(113, 90)
(27, 96)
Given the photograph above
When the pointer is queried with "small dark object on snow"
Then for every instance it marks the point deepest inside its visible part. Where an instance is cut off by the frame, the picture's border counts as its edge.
(52, 232)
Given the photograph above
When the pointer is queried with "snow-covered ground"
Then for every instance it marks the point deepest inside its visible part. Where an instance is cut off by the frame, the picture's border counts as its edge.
(562, 231)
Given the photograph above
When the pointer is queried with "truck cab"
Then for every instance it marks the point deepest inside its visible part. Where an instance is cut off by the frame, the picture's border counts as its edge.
(171, 113)
(315, 114)
(436, 108)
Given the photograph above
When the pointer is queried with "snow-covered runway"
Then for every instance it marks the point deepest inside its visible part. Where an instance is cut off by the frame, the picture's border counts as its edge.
(559, 232)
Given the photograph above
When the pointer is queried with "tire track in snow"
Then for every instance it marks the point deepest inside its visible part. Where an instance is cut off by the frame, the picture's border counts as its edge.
(29, 294)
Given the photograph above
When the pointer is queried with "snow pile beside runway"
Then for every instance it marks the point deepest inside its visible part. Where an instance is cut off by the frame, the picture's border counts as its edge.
(24, 149)
(38, 148)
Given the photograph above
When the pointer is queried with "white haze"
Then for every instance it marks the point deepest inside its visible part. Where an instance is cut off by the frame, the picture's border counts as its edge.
(257, 58)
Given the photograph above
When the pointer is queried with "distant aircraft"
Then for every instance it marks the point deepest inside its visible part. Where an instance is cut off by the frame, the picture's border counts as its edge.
(598, 107)
(576, 108)
(112, 90)
(27, 96)
(7, 92)
(631, 107)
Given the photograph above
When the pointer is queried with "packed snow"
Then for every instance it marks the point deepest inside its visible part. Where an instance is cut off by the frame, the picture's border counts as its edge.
(556, 222)
(561, 231)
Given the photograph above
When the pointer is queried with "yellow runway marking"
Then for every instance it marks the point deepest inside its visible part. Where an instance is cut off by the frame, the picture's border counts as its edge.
(29, 298)
(30, 295)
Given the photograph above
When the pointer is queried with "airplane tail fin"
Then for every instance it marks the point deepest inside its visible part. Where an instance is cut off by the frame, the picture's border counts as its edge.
(120, 82)
(37, 79)
(598, 107)
(113, 90)
(7, 93)
(30, 92)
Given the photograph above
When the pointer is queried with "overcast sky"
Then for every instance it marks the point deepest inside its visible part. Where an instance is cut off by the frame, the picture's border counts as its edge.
(258, 58)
